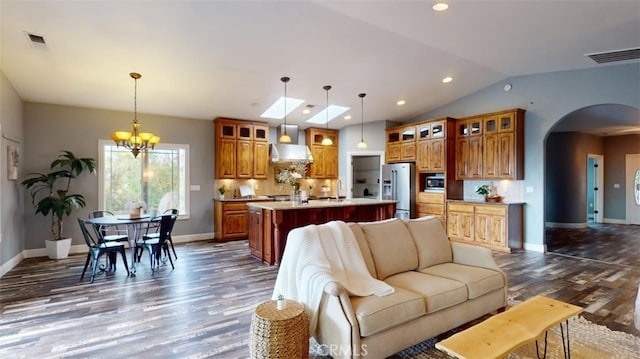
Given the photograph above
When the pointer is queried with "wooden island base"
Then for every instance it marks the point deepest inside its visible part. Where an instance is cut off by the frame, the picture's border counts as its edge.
(270, 222)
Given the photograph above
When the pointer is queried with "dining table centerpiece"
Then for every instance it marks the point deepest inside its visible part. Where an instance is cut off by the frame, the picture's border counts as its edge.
(292, 176)
(135, 208)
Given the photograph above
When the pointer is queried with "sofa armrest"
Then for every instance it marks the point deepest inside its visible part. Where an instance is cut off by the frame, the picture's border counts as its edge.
(335, 289)
(471, 255)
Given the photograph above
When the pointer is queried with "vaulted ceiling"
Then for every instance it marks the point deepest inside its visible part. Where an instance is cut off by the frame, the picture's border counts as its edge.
(203, 59)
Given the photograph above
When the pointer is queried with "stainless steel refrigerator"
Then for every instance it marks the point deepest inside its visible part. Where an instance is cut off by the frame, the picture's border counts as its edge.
(398, 183)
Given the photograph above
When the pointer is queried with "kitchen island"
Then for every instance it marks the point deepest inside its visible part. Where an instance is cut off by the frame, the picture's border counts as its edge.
(270, 222)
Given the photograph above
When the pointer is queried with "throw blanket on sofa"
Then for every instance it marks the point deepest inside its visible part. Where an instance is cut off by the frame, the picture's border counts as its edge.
(315, 255)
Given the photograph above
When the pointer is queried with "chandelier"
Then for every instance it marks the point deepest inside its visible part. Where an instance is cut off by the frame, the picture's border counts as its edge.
(135, 140)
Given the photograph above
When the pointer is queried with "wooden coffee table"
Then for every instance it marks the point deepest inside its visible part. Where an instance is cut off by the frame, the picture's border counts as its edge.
(507, 331)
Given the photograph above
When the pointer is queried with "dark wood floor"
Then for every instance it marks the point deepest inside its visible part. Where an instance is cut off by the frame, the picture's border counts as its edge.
(203, 307)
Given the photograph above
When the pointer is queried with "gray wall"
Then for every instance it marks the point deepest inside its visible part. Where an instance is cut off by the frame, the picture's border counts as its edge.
(615, 149)
(566, 175)
(547, 98)
(11, 207)
(49, 129)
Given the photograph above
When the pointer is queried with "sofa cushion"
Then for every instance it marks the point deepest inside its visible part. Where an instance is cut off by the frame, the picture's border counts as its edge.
(364, 248)
(479, 281)
(392, 247)
(438, 292)
(375, 314)
(431, 241)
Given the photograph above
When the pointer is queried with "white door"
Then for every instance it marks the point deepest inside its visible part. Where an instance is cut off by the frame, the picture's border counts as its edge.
(632, 188)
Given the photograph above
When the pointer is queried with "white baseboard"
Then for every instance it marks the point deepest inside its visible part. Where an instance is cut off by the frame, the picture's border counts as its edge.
(565, 225)
(535, 247)
(8, 265)
(615, 221)
(81, 248)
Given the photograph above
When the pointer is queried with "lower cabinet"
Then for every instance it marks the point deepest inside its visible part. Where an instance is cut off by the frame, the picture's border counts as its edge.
(431, 204)
(255, 232)
(498, 226)
(231, 219)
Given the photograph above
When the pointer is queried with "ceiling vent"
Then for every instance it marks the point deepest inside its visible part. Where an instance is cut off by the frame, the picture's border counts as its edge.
(616, 55)
(36, 40)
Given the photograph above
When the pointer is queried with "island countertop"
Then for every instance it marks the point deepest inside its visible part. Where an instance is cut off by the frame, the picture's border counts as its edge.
(318, 203)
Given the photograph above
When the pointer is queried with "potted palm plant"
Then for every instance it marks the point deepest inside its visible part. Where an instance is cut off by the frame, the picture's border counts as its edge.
(50, 196)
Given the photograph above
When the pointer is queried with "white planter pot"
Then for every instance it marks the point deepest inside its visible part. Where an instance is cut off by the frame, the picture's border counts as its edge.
(58, 249)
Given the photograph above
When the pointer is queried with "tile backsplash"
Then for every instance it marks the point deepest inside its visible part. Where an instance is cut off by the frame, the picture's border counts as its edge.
(512, 191)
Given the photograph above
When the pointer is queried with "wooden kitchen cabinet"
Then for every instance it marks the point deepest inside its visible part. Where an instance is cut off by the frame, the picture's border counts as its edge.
(469, 148)
(503, 156)
(460, 221)
(431, 204)
(241, 149)
(231, 219)
(325, 158)
(491, 146)
(401, 144)
(432, 152)
(497, 226)
(255, 232)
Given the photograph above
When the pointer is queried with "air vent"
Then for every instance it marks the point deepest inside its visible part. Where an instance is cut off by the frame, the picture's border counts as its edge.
(617, 55)
(35, 40)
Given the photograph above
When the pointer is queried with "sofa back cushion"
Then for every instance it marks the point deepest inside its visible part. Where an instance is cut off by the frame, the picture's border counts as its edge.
(431, 241)
(364, 248)
(392, 248)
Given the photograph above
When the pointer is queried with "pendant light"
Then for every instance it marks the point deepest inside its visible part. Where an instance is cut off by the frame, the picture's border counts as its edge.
(362, 144)
(285, 138)
(135, 140)
(326, 141)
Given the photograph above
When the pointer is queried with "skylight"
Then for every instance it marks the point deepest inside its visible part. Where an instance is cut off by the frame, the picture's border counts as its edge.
(276, 111)
(334, 111)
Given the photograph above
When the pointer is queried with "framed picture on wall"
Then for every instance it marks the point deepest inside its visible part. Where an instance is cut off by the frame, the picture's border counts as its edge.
(13, 159)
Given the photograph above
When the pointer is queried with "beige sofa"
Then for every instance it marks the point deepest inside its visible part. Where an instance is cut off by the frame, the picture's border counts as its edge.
(439, 285)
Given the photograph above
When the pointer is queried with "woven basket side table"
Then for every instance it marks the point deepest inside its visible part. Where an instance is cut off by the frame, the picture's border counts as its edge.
(279, 333)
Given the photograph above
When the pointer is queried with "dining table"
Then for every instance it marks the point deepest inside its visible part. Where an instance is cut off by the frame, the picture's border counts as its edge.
(135, 227)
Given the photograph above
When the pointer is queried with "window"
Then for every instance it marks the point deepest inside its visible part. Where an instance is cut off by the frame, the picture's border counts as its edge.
(158, 177)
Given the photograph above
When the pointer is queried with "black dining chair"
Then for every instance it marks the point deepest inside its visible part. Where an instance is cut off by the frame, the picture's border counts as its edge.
(97, 247)
(110, 233)
(156, 245)
(152, 231)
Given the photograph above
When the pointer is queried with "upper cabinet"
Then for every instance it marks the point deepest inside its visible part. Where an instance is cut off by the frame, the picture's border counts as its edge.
(491, 146)
(325, 158)
(242, 149)
(432, 151)
(401, 144)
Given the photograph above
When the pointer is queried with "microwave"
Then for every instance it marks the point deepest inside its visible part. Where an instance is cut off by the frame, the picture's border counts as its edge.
(434, 183)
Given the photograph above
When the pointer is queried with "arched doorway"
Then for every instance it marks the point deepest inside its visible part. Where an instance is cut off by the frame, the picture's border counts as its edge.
(601, 135)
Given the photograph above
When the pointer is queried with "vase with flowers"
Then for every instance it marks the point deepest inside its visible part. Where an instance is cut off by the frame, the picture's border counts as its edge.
(292, 176)
(135, 208)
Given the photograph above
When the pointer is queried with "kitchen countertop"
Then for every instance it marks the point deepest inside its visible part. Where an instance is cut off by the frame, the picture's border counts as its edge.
(481, 201)
(257, 198)
(318, 203)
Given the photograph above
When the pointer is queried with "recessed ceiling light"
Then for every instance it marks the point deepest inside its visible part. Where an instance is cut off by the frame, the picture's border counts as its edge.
(347, 117)
(440, 6)
(276, 110)
(334, 111)
(401, 102)
(447, 79)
